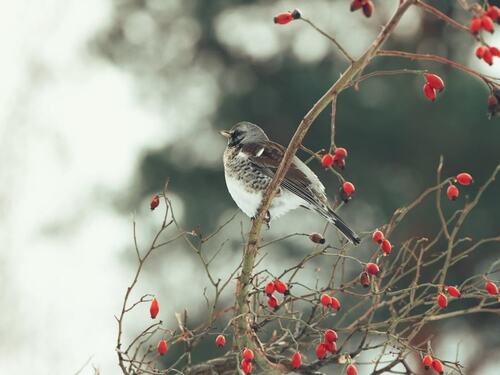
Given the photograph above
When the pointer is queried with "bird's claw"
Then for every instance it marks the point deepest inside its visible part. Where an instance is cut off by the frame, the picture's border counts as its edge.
(267, 219)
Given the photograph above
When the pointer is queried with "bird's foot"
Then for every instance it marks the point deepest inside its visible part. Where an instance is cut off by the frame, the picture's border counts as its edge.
(267, 219)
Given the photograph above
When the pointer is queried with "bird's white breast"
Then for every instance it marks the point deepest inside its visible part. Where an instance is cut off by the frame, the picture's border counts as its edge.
(247, 201)
(248, 195)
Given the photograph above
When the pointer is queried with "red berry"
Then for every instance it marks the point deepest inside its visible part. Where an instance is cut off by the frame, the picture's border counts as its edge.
(368, 9)
(246, 367)
(296, 360)
(491, 288)
(487, 24)
(351, 370)
(154, 309)
(335, 304)
(493, 12)
(272, 302)
(378, 236)
(364, 279)
(453, 291)
(280, 286)
(330, 346)
(326, 300)
(386, 247)
(495, 51)
(442, 301)
(248, 355)
(372, 269)
(283, 18)
(348, 188)
(437, 365)
(327, 160)
(355, 5)
(452, 192)
(475, 25)
(339, 162)
(220, 341)
(321, 351)
(317, 238)
(480, 51)
(341, 153)
(427, 361)
(155, 201)
(435, 81)
(429, 92)
(269, 289)
(488, 57)
(330, 335)
(162, 347)
(464, 179)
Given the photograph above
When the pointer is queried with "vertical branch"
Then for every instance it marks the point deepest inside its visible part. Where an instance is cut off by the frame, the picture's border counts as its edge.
(334, 115)
(244, 334)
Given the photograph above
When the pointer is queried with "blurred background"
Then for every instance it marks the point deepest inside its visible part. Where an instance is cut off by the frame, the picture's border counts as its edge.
(102, 100)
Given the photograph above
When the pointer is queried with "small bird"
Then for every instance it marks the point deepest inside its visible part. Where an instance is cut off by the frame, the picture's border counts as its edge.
(250, 162)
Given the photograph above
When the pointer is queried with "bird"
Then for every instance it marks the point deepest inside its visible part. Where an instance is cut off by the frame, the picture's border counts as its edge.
(250, 162)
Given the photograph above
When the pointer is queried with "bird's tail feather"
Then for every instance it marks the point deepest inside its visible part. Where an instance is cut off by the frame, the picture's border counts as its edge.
(333, 218)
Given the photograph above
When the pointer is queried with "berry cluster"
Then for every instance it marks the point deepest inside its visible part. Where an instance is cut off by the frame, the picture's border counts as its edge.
(464, 179)
(484, 20)
(328, 344)
(366, 5)
(385, 245)
(372, 269)
(329, 302)
(487, 53)
(337, 159)
(433, 84)
(435, 363)
(247, 361)
(275, 286)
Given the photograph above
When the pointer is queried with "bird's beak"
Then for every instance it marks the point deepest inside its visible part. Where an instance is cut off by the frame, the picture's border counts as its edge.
(225, 133)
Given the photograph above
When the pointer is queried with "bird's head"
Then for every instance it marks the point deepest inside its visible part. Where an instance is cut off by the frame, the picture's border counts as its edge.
(244, 132)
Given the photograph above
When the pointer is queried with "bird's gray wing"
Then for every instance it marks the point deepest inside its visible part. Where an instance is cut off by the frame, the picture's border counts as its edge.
(299, 179)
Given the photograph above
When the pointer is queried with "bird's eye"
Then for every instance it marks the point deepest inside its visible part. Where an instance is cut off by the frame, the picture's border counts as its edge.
(236, 137)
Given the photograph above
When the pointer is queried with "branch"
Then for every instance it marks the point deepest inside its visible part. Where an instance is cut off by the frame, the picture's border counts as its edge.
(440, 59)
(245, 337)
(430, 9)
